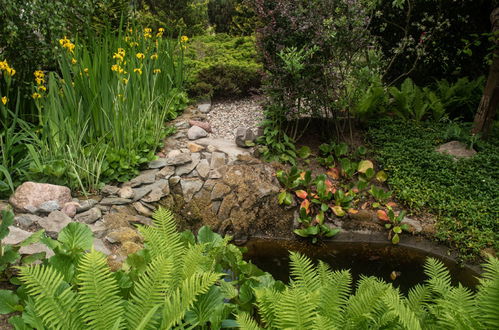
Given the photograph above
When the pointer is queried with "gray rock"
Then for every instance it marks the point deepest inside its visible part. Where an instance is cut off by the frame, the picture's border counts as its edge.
(219, 191)
(86, 205)
(49, 206)
(228, 147)
(101, 247)
(138, 193)
(4, 205)
(190, 187)
(173, 153)
(98, 229)
(203, 168)
(204, 107)
(174, 180)
(142, 209)
(145, 177)
(30, 196)
(215, 206)
(211, 148)
(180, 159)
(187, 168)
(126, 192)
(244, 136)
(215, 174)
(16, 235)
(89, 216)
(146, 221)
(26, 220)
(70, 209)
(207, 156)
(182, 125)
(160, 189)
(115, 201)
(217, 160)
(415, 225)
(54, 223)
(196, 132)
(456, 149)
(165, 173)
(158, 163)
(109, 190)
(36, 248)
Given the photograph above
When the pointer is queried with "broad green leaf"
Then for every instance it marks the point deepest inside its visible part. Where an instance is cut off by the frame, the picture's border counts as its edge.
(381, 176)
(34, 238)
(303, 152)
(332, 232)
(338, 210)
(395, 239)
(206, 235)
(397, 230)
(364, 165)
(76, 236)
(301, 232)
(9, 302)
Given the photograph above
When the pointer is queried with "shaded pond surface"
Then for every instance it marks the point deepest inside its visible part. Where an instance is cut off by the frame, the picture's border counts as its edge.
(378, 259)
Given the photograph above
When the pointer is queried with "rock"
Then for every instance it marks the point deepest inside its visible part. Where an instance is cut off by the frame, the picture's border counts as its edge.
(211, 148)
(142, 220)
(196, 132)
(4, 205)
(182, 125)
(244, 136)
(30, 196)
(190, 187)
(101, 247)
(174, 180)
(98, 229)
(194, 147)
(126, 209)
(145, 177)
(207, 156)
(203, 168)
(180, 159)
(215, 174)
(115, 201)
(215, 206)
(126, 192)
(128, 248)
(159, 190)
(49, 206)
(228, 147)
(204, 107)
(70, 209)
(456, 149)
(109, 190)
(204, 125)
(219, 191)
(54, 223)
(89, 216)
(122, 235)
(173, 153)
(16, 235)
(158, 163)
(414, 225)
(217, 160)
(165, 173)
(160, 187)
(86, 205)
(141, 209)
(26, 220)
(187, 168)
(36, 248)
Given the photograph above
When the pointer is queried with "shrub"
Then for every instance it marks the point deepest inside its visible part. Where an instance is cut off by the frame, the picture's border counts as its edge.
(222, 66)
(234, 17)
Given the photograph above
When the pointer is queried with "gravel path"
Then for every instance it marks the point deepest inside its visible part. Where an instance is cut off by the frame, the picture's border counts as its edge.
(226, 116)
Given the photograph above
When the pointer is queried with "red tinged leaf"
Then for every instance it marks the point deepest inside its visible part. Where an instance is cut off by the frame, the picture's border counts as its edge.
(302, 175)
(301, 194)
(333, 173)
(352, 211)
(391, 204)
(382, 215)
(355, 190)
(306, 205)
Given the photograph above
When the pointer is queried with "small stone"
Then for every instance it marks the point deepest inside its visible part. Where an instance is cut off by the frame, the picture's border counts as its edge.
(109, 190)
(173, 153)
(215, 206)
(29, 196)
(203, 168)
(86, 205)
(414, 225)
(187, 168)
(16, 235)
(219, 191)
(456, 149)
(101, 247)
(104, 208)
(141, 209)
(26, 220)
(128, 248)
(209, 184)
(126, 192)
(215, 174)
(207, 156)
(115, 201)
(4, 206)
(182, 125)
(194, 147)
(204, 125)
(244, 136)
(54, 223)
(70, 209)
(145, 177)
(160, 190)
(36, 248)
(49, 206)
(180, 159)
(123, 235)
(217, 160)
(146, 221)
(158, 163)
(204, 107)
(211, 148)
(165, 173)
(196, 132)
(98, 229)
(174, 180)
(89, 216)
(190, 187)
(125, 209)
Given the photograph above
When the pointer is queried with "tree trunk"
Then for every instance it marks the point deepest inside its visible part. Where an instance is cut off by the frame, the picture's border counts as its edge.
(490, 99)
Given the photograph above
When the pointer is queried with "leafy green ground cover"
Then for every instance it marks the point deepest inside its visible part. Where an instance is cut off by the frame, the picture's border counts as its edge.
(462, 194)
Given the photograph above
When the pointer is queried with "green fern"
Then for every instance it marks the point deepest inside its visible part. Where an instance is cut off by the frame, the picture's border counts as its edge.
(246, 322)
(487, 299)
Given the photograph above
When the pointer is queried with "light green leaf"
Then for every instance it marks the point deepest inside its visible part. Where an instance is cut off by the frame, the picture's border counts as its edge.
(364, 165)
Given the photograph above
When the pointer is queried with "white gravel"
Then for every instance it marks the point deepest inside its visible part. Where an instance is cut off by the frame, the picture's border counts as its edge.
(226, 116)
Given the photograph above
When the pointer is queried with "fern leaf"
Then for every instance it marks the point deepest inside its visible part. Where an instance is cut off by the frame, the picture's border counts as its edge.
(439, 278)
(150, 290)
(303, 272)
(101, 306)
(405, 315)
(488, 294)
(194, 261)
(296, 308)
(334, 295)
(53, 299)
(184, 297)
(266, 301)
(456, 310)
(246, 322)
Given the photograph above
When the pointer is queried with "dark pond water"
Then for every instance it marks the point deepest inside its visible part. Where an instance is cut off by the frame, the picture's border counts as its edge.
(373, 259)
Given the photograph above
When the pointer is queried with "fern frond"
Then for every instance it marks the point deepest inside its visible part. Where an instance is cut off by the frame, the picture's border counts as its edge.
(184, 297)
(487, 299)
(396, 306)
(194, 261)
(53, 299)
(323, 323)
(439, 278)
(150, 290)
(246, 322)
(418, 297)
(335, 295)
(296, 308)
(303, 272)
(101, 305)
(323, 273)
(456, 309)
(207, 307)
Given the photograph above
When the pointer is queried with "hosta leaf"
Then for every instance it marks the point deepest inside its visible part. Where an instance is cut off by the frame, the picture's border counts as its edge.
(397, 230)
(303, 152)
(382, 215)
(381, 176)
(9, 302)
(364, 165)
(338, 210)
(395, 239)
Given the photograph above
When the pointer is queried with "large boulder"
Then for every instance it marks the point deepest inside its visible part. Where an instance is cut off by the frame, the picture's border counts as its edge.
(456, 149)
(32, 197)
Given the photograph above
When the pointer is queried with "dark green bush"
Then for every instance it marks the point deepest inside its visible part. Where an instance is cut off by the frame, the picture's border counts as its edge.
(462, 194)
(222, 66)
(234, 17)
